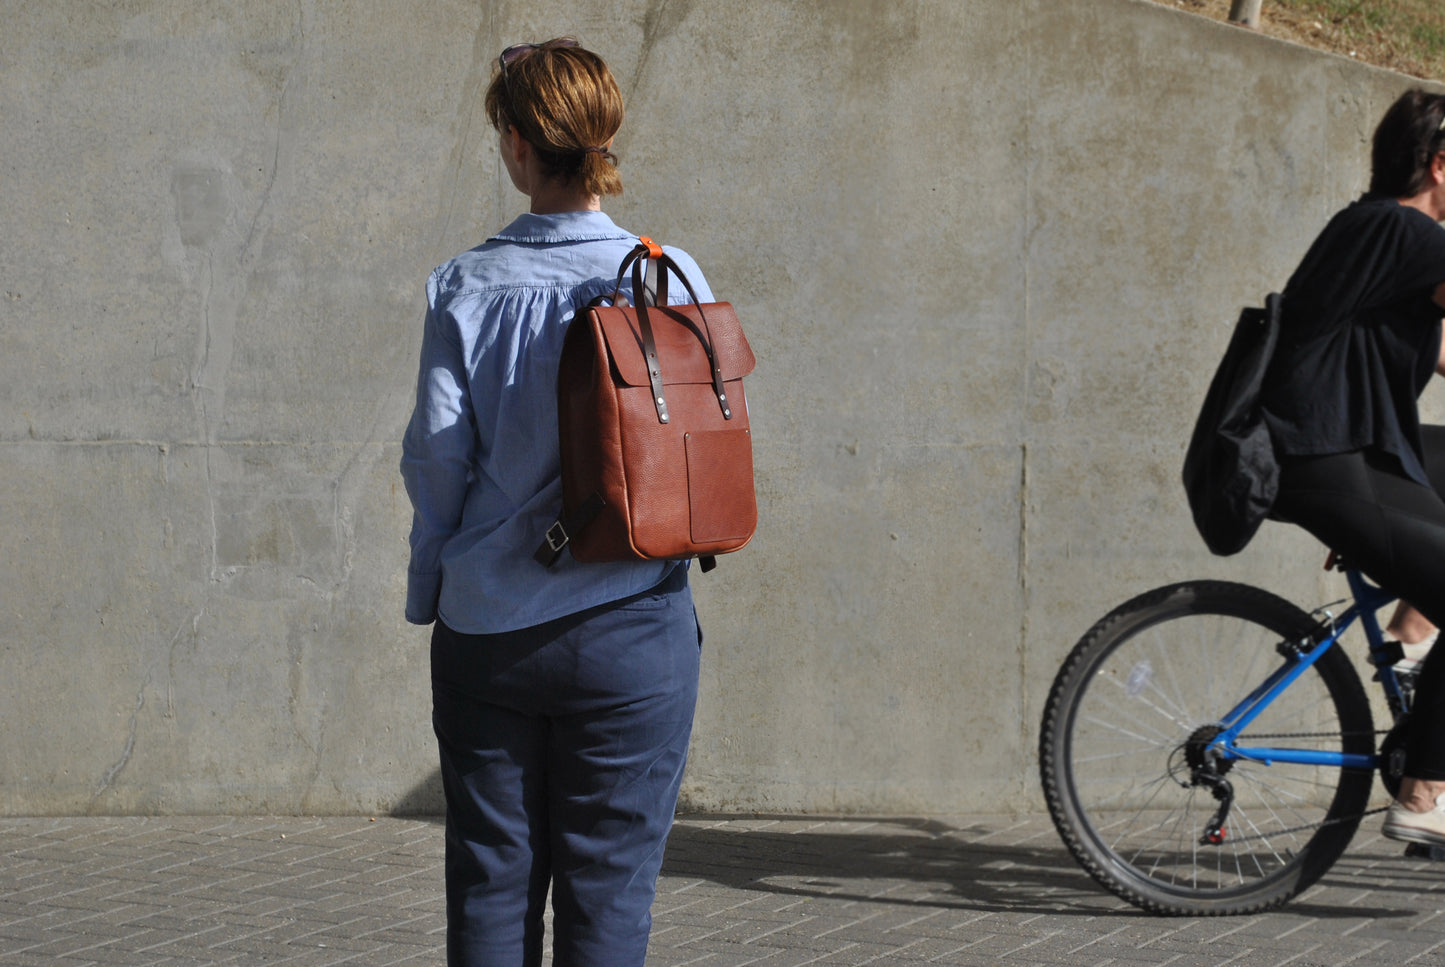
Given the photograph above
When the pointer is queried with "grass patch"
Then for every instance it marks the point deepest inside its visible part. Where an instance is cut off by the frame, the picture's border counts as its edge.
(1403, 35)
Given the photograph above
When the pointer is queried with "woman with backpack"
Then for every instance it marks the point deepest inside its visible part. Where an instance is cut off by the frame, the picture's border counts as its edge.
(562, 699)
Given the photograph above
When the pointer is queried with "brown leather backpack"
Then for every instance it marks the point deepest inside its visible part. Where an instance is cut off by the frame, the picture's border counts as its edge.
(657, 458)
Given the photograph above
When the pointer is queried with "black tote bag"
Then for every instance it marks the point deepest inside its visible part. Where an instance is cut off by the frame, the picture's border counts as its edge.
(1230, 473)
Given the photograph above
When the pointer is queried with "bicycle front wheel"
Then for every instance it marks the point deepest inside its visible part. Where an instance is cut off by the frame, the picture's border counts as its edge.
(1129, 719)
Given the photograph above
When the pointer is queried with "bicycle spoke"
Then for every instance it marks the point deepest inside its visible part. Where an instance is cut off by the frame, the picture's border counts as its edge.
(1158, 787)
(1243, 814)
(1180, 719)
(1159, 741)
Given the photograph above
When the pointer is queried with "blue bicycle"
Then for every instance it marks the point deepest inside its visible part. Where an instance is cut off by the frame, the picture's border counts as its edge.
(1207, 747)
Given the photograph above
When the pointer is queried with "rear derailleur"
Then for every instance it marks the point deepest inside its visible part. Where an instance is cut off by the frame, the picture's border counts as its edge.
(1196, 763)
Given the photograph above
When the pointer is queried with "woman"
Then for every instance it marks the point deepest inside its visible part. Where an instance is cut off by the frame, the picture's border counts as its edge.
(562, 699)
(1360, 337)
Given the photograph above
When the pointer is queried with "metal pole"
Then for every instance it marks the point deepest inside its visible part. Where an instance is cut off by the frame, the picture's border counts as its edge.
(1245, 12)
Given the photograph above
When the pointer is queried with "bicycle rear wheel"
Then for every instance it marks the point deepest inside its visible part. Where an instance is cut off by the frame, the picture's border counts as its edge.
(1126, 722)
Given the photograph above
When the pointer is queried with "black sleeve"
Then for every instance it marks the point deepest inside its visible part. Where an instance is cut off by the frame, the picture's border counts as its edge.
(1422, 255)
(1374, 253)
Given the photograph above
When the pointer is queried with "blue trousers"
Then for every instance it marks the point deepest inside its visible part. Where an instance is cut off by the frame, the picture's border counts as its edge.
(562, 751)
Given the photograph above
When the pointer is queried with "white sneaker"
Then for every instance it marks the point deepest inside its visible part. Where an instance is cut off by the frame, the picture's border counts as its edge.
(1412, 827)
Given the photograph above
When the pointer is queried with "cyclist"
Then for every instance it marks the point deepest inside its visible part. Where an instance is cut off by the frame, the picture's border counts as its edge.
(1360, 336)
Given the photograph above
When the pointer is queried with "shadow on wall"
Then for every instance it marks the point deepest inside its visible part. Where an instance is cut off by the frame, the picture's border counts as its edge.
(422, 801)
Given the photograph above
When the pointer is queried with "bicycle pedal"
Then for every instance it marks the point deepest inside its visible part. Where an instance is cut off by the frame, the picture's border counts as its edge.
(1419, 851)
(1404, 677)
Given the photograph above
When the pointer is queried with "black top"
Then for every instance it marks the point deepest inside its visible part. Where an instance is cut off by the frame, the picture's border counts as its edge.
(1359, 336)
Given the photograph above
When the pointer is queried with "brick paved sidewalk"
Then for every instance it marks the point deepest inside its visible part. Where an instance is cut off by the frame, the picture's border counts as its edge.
(734, 891)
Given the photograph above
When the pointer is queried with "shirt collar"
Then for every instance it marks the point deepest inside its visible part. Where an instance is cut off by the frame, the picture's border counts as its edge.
(561, 227)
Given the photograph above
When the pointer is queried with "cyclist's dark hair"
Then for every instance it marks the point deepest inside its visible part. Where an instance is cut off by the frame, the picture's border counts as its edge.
(1407, 139)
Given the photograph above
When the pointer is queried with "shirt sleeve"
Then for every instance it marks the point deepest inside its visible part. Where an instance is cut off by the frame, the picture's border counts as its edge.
(437, 454)
(1422, 263)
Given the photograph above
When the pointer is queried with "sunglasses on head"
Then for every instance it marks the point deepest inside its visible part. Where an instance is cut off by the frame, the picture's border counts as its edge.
(517, 52)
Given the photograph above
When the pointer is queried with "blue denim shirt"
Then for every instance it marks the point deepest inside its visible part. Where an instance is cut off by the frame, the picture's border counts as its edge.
(480, 456)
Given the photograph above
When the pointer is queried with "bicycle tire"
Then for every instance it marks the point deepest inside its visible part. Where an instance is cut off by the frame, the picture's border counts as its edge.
(1114, 726)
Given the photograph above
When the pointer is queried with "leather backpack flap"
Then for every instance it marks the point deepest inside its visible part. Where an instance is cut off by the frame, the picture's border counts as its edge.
(689, 478)
(679, 332)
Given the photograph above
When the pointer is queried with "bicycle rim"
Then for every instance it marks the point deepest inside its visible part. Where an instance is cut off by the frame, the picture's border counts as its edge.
(1125, 723)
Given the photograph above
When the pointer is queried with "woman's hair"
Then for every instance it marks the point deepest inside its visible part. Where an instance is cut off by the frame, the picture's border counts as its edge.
(1407, 140)
(564, 101)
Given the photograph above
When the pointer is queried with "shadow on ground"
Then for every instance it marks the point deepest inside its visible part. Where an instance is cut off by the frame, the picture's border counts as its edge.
(929, 863)
(980, 865)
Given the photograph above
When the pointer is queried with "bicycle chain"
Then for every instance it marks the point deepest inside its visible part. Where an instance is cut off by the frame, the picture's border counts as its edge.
(1299, 829)
(1312, 735)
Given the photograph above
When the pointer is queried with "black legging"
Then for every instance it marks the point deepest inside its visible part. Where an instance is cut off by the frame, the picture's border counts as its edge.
(1362, 506)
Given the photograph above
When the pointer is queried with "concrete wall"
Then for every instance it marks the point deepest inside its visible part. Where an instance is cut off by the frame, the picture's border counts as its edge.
(987, 254)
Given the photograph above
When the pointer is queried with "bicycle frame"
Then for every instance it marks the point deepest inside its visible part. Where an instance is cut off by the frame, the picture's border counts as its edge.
(1300, 655)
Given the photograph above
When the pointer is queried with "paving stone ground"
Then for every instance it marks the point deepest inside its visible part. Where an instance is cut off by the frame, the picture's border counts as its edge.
(778, 892)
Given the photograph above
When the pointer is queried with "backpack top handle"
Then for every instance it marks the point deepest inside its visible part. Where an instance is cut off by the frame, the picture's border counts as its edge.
(650, 254)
